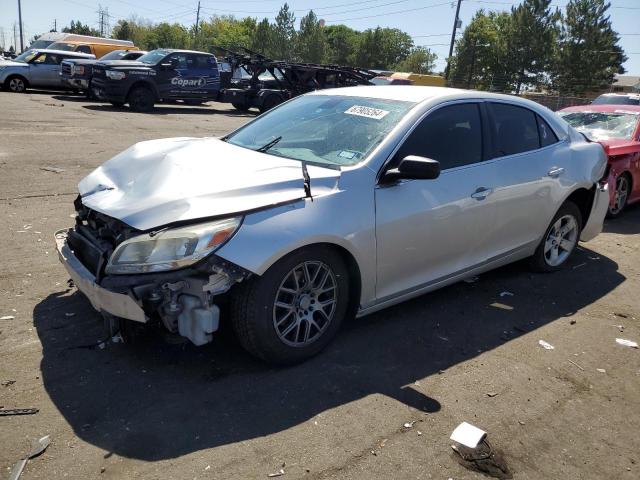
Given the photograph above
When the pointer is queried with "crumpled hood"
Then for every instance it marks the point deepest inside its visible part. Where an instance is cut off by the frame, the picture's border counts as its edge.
(159, 182)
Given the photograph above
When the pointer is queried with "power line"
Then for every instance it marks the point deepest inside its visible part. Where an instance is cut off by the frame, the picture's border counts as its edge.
(390, 13)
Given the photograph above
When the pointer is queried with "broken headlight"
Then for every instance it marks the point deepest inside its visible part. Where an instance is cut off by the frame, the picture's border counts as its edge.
(171, 249)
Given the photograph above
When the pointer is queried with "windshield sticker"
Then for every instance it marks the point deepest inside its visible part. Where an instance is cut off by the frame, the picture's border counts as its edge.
(347, 154)
(367, 112)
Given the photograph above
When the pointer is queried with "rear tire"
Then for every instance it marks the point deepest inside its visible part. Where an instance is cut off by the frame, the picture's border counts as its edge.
(141, 99)
(314, 282)
(16, 84)
(117, 104)
(240, 106)
(559, 241)
(623, 189)
(270, 102)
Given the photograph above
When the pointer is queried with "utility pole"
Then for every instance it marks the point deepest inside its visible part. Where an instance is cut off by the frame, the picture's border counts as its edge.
(55, 24)
(20, 22)
(456, 23)
(15, 37)
(198, 18)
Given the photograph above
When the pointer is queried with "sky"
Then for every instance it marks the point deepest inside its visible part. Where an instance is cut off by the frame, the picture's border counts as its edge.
(429, 22)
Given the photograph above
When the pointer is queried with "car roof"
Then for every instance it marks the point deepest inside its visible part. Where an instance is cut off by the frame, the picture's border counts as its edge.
(173, 50)
(634, 95)
(605, 108)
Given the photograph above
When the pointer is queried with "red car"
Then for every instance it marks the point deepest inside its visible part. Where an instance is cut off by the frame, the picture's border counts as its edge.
(617, 128)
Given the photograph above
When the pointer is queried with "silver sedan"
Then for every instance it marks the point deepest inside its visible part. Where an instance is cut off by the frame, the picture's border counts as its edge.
(337, 203)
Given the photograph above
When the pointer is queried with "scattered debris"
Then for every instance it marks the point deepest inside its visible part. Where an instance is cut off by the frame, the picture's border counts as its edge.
(7, 317)
(409, 424)
(37, 447)
(6, 383)
(626, 343)
(545, 345)
(117, 338)
(572, 321)
(520, 422)
(580, 265)
(279, 473)
(444, 339)
(468, 435)
(492, 394)
(52, 169)
(501, 306)
(419, 433)
(506, 294)
(475, 453)
(621, 315)
(601, 370)
(571, 361)
(619, 327)
(18, 411)
(208, 467)
(471, 280)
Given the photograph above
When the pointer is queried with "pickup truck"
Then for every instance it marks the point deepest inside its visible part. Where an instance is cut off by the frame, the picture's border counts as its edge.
(163, 75)
(77, 73)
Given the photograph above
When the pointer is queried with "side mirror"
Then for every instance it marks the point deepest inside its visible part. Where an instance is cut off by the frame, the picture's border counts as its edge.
(413, 167)
(170, 64)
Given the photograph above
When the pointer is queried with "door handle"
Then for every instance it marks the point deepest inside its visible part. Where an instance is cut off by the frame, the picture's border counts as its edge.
(555, 172)
(481, 193)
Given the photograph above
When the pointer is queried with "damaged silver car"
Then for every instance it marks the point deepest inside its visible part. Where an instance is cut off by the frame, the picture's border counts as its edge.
(336, 203)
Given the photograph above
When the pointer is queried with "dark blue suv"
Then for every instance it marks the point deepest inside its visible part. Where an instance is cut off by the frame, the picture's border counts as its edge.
(159, 76)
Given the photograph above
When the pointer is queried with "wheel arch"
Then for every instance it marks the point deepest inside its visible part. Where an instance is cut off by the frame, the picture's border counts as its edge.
(16, 75)
(583, 199)
(145, 84)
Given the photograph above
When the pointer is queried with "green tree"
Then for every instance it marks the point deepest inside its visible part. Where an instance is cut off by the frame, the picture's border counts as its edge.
(165, 35)
(481, 53)
(226, 31)
(284, 34)
(588, 55)
(420, 60)
(382, 48)
(78, 28)
(531, 39)
(311, 41)
(123, 30)
(262, 40)
(342, 43)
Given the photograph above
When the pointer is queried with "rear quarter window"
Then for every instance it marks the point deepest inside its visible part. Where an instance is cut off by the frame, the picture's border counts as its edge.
(516, 129)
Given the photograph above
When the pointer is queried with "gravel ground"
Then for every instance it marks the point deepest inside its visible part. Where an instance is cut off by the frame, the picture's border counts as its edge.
(159, 410)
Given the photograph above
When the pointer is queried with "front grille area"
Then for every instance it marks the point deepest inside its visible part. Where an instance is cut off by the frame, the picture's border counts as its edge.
(95, 236)
(98, 72)
(66, 69)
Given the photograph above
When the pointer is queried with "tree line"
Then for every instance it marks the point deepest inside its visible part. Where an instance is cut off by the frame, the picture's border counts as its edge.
(530, 46)
(535, 46)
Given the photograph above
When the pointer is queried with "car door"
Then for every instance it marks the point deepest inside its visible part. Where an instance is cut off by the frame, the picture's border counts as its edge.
(204, 70)
(45, 70)
(529, 185)
(428, 230)
(175, 82)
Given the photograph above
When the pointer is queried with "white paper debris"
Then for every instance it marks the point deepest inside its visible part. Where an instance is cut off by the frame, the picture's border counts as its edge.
(468, 435)
(408, 424)
(601, 370)
(7, 317)
(626, 343)
(545, 345)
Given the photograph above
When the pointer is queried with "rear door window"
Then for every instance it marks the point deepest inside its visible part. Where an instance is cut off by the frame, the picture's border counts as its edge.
(516, 129)
(84, 49)
(451, 135)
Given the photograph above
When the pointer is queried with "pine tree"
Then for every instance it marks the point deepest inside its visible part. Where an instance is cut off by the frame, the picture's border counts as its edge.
(284, 34)
(312, 43)
(588, 55)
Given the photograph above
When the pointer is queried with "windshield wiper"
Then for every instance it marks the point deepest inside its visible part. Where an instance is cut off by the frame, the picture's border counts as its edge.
(269, 145)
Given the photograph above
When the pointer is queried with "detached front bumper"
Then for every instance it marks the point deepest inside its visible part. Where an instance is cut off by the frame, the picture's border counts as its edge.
(76, 83)
(103, 300)
(593, 226)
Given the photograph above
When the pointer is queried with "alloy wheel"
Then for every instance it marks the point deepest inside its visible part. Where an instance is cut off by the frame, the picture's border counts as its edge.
(561, 240)
(621, 194)
(305, 303)
(16, 85)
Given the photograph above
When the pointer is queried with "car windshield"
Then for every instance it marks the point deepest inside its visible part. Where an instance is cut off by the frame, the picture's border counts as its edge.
(25, 56)
(41, 44)
(616, 100)
(153, 57)
(323, 129)
(114, 55)
(68, 47)
(603, 125)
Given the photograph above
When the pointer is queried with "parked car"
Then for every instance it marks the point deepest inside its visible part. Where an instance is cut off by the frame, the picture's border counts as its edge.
(36, 68)
(95, 45)
(338, 202)
(77, 74)
(617, 99)
(160, 75)
(617, 128)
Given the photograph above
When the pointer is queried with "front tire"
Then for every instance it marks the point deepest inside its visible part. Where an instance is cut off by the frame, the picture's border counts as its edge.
(294, 310)
(141, 100)
(16, 84)
(623, 188)
(559, 240)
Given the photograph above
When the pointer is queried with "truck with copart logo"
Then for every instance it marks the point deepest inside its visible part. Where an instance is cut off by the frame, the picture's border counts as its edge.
(163, 75)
